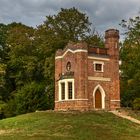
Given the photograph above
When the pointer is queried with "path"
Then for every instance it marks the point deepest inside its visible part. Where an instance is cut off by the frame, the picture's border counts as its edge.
(120, 114)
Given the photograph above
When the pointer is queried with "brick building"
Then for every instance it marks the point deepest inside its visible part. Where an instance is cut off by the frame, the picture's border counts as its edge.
(87, 78)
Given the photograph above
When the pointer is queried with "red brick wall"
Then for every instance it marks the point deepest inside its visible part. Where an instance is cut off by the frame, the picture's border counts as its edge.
(72, 105)
(112, 42)
(106, 68)
(83, 67)
(80, 75)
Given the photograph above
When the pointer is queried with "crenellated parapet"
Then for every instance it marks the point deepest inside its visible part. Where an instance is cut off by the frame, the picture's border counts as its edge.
(112, 33)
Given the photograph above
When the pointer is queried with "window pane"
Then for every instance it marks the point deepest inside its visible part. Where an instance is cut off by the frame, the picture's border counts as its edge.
(69, 90)
(98, 67)
(62, 91)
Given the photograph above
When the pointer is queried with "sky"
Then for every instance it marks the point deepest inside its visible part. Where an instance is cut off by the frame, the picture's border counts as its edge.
(103, 14)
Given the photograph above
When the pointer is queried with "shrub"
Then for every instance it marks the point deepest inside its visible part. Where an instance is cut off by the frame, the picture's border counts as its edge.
(136, 104)
(29, 98)
(2, 107)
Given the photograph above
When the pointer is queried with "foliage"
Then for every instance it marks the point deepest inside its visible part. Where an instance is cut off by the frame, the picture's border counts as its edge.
(29, 98)
(22, 60)
(2, 107)
(136, 104)
(27, 58)
(130, 68)
(95, 40)
(68, 24)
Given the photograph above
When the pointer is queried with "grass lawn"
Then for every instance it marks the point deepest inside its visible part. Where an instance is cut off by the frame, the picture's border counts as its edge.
(68, 126)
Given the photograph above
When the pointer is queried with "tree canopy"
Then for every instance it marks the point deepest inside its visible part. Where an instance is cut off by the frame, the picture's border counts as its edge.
(130, 57)
(27, 59)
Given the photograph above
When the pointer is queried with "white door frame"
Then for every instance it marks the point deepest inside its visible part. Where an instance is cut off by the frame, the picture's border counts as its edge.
(99, 87)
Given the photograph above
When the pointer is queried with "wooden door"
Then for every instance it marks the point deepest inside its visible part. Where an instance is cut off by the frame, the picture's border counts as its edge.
(98, 99)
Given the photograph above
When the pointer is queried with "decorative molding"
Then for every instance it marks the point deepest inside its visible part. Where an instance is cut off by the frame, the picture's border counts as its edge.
(58, 57)
(98, 58)
(80, 50)
(98, 62)
(71, 100)
(102, 95)
(115, 100)
(99, 79)
(69, 50)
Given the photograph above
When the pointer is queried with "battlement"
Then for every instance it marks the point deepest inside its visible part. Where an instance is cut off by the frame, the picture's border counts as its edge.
(112, 33)
(97, 50)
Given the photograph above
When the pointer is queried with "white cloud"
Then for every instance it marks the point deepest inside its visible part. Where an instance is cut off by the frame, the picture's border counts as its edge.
(103, 13)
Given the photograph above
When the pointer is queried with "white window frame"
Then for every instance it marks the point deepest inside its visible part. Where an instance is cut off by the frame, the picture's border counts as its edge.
(98, 62)
(66, 89)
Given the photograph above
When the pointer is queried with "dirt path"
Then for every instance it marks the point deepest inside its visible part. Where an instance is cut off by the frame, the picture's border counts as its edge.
(123, 115)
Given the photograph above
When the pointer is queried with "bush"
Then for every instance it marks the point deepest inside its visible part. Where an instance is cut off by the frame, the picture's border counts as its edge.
(2, 107)
(29, 98)
(136, 104)
(9, 109)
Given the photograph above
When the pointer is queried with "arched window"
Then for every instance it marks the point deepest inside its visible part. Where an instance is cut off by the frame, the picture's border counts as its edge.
(68, 66)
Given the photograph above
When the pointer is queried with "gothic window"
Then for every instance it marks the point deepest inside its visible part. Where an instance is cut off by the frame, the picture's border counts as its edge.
(68, 66)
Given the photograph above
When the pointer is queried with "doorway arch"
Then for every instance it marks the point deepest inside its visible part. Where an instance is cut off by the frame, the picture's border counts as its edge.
(99, 97)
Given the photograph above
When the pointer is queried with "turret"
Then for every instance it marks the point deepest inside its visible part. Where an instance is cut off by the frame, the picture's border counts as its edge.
(112, 42)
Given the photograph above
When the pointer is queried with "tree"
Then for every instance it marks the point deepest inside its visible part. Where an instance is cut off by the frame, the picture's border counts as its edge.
(130, 68)
(22, 60)
(55, 33)
(3, 62)
(27, 57)
(69, 24)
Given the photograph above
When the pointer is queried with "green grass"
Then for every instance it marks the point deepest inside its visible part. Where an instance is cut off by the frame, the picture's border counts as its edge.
(68, 126)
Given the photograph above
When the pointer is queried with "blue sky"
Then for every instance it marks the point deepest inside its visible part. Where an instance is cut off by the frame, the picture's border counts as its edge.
(103, 14)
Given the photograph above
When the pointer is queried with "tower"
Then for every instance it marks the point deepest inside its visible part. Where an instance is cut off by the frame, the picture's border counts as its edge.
(112, 44)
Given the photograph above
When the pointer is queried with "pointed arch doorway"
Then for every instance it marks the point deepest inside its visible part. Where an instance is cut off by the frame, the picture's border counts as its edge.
(98, 97)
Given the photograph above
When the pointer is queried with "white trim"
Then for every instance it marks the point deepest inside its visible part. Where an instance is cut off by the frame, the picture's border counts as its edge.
(99, 79)
(72, 100)
(66, 89)
(80, 50)
(81, 99)
(69, 50)
(98, 62)
(102, 94)
(115, 100)
(58, 57)
(97, 58)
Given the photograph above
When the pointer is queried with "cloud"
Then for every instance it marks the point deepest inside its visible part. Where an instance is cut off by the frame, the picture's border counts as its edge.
(103, 13)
